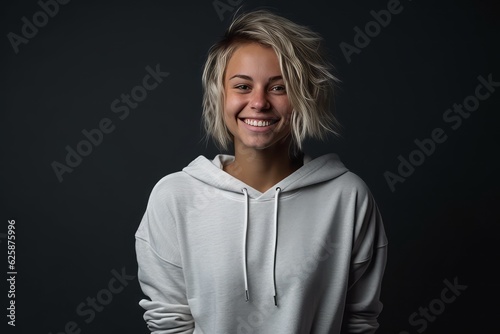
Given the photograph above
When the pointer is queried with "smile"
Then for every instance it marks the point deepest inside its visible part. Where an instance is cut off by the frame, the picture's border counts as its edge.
(259, 122)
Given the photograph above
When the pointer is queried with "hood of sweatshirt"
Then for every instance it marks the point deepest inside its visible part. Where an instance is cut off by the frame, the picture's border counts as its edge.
(313, 171)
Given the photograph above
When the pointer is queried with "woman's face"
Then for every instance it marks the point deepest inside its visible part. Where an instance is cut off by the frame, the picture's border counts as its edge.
(256, 107)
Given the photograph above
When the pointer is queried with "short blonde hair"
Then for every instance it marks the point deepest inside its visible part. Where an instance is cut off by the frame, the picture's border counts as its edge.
(306, 73)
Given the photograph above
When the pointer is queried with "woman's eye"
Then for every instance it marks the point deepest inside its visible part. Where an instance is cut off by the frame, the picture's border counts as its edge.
(243, 87)
(278, 88)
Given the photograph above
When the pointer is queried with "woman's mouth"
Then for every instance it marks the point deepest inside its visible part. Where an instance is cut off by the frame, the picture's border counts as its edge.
(260, 122)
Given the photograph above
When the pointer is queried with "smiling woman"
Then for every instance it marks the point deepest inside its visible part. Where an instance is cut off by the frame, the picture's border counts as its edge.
(237, 244)
(256, 109)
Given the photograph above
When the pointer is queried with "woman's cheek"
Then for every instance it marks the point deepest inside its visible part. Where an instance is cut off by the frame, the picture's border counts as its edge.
(233, 106)
(288, 118)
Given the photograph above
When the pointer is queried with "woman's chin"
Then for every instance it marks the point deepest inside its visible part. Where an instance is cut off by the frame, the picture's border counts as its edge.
(261, 145)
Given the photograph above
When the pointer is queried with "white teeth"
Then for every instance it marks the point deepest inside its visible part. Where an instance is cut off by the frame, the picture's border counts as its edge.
(255, 122)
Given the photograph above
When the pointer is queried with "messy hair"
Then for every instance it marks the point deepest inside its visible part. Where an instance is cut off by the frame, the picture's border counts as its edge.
(306, 74)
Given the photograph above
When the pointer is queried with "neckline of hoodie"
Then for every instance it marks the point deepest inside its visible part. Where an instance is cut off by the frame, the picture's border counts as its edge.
(239, 198)
(298, 174)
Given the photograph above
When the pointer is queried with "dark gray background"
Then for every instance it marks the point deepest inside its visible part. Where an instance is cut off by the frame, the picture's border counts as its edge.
(441, 222)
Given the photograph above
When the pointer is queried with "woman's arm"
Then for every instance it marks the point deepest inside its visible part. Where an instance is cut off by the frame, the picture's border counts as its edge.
(163, 283)
(369, 258)
(160, 272)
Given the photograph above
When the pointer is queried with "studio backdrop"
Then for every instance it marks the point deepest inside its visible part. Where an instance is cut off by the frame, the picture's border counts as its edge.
(101, 99)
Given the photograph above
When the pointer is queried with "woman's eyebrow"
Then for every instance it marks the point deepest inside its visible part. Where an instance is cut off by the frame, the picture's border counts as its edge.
(246, 77)
(276, 78)
(241, 76)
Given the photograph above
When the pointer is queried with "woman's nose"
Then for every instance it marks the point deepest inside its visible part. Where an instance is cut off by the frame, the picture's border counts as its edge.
(259, 100)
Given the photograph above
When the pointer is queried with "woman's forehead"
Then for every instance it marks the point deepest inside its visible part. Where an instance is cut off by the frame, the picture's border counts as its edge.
(253, 59)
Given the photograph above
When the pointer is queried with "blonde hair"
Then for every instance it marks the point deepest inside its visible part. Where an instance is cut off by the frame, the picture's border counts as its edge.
(306, 73)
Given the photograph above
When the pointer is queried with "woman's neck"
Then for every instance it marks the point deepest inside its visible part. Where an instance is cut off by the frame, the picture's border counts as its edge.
(262, 169)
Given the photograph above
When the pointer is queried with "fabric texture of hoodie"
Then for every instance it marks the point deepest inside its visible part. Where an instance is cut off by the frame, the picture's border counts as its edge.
(217, 256)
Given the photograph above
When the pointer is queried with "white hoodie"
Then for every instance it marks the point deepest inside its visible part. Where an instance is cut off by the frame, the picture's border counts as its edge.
(216, 256)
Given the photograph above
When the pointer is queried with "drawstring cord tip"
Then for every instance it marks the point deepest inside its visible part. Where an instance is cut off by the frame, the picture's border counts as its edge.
(275, 301)
(246, 295)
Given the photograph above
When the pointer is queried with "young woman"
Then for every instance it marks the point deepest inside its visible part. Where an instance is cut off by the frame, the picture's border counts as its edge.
(266, 240)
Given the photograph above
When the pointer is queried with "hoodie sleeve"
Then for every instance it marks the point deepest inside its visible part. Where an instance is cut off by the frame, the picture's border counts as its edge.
(368, 262)
(160, 272)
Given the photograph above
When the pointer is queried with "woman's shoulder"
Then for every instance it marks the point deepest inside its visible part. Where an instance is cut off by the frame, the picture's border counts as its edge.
(350, 182)
(171, 179)
(179, 181)
(338, 173)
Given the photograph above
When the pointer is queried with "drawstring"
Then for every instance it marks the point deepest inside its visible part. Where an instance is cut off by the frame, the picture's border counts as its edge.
(276, 200)
(276, 197)
(245, 243)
